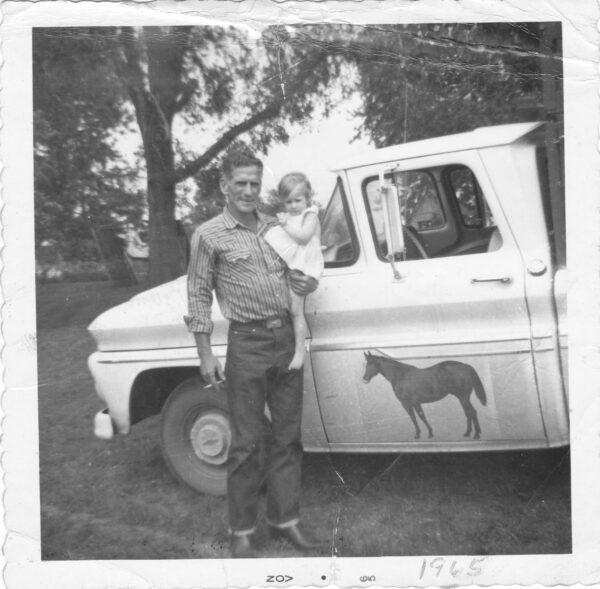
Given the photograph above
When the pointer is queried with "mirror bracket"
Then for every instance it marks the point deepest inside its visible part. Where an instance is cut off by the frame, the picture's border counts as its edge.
(390, 259)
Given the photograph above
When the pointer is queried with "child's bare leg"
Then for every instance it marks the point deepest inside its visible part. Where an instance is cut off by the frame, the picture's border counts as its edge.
(300, 330)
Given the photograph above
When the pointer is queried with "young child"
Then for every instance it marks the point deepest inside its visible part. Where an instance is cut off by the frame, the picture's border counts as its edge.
(298, 241)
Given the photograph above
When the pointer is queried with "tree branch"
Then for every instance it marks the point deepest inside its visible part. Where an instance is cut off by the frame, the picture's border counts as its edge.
(273, 109)
(189, 169)
(130, 68)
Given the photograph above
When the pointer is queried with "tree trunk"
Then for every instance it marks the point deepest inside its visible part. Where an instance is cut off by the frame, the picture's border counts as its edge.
(167, 256)
(147, 61)
(150, 61)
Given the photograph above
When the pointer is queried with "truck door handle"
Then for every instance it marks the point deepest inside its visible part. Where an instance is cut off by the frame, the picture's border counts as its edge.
(502, 279)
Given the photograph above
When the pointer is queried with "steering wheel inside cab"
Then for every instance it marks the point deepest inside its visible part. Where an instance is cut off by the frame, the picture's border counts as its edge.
(414, 247)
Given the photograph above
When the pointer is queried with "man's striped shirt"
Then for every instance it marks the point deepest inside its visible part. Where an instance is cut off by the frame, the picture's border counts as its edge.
(246, 274)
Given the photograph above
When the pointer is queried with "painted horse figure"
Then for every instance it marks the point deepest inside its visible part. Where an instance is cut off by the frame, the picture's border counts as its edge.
(414, 386)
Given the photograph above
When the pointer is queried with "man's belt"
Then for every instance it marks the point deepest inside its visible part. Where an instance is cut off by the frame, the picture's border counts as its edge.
(269, 323)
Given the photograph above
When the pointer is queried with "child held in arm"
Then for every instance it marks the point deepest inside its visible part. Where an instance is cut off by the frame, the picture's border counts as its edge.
(297, 240)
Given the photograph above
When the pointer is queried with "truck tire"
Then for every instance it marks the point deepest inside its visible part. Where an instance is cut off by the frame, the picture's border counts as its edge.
(195, 436)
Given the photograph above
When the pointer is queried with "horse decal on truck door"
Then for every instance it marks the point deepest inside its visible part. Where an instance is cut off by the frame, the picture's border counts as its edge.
(414, 386)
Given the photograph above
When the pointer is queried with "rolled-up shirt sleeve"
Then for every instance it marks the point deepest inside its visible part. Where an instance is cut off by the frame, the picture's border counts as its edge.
(200, 282)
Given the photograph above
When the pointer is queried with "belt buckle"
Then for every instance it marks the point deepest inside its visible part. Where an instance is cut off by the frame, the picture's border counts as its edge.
(272, 323)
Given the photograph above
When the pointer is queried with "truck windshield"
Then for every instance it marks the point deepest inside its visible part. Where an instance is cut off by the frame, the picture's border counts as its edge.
(444, 211)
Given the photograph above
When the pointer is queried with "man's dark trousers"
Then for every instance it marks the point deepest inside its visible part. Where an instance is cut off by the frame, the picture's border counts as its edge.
(256, 372)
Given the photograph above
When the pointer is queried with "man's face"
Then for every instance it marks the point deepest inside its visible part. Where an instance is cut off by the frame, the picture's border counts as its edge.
(242, 189)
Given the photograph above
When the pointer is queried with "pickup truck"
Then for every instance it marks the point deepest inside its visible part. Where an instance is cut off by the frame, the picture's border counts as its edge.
(439, 324)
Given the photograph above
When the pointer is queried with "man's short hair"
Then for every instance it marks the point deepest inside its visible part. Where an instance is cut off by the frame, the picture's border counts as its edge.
(238, 159)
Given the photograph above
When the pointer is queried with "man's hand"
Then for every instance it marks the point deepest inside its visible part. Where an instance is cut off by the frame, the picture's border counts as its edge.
(282, 218)
(210, 367)
(302, 284)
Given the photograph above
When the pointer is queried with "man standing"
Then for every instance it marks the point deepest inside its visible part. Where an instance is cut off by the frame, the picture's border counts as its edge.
(229, 255)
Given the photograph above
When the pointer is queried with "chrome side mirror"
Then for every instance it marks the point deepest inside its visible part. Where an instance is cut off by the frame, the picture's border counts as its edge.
(392, 222)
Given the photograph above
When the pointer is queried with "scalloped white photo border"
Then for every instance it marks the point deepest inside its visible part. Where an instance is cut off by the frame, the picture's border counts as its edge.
(21, 563)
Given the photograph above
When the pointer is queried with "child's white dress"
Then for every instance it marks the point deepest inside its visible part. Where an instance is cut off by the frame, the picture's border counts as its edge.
(306, 258)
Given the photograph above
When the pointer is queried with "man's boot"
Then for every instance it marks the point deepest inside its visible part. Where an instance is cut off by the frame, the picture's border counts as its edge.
(241, 546)
(296, 536)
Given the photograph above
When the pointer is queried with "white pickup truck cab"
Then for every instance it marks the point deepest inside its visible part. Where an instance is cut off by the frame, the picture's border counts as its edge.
(439, 324)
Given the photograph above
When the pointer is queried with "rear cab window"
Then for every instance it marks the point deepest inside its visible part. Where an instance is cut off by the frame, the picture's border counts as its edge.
(473, 209)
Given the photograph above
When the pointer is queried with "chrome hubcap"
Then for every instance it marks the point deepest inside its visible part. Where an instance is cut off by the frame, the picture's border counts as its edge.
(210, 437)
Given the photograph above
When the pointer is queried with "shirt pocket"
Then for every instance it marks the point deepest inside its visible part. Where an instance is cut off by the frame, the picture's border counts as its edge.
(239, 264)
(274, 263)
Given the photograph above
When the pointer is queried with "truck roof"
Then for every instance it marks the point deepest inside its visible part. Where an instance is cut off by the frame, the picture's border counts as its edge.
(476, 139)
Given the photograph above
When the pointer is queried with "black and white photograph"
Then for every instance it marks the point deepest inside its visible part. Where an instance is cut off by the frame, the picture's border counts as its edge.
(151, 145)
(298, 290)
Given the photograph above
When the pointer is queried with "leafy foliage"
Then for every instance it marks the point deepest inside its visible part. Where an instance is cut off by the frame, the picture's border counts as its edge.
(229, 86)
(433, 80)
(80, 180)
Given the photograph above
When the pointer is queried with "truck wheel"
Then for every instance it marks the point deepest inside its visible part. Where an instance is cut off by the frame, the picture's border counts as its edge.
(195, 436)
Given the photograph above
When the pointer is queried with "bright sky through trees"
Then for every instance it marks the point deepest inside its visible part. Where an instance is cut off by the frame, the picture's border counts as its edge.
(314, 149)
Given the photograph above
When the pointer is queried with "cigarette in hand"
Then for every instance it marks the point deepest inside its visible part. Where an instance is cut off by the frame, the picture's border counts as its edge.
(216, 384)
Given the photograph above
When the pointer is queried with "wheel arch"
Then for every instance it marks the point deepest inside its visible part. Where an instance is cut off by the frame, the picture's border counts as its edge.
(152, 387)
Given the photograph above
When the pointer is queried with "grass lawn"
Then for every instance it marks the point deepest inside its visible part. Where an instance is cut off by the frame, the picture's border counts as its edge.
(116, 499)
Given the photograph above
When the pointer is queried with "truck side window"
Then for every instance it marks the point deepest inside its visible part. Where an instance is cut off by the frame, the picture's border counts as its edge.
(419, 201)
(420, 205)
(338, 239)
(443, 209)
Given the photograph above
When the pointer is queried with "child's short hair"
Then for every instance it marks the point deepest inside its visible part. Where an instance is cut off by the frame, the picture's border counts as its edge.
(290, 181)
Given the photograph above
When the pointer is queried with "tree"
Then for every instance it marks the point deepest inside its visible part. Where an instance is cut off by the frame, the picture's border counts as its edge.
(205, 74)
(416, 81)
(209, 198)
(434, 80)
(212, 78)
(80, 182)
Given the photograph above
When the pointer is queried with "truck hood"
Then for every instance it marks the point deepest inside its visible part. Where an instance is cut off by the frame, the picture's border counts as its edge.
(152, 319)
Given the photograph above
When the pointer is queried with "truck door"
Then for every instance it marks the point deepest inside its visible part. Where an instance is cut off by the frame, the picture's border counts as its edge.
(438, 356)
